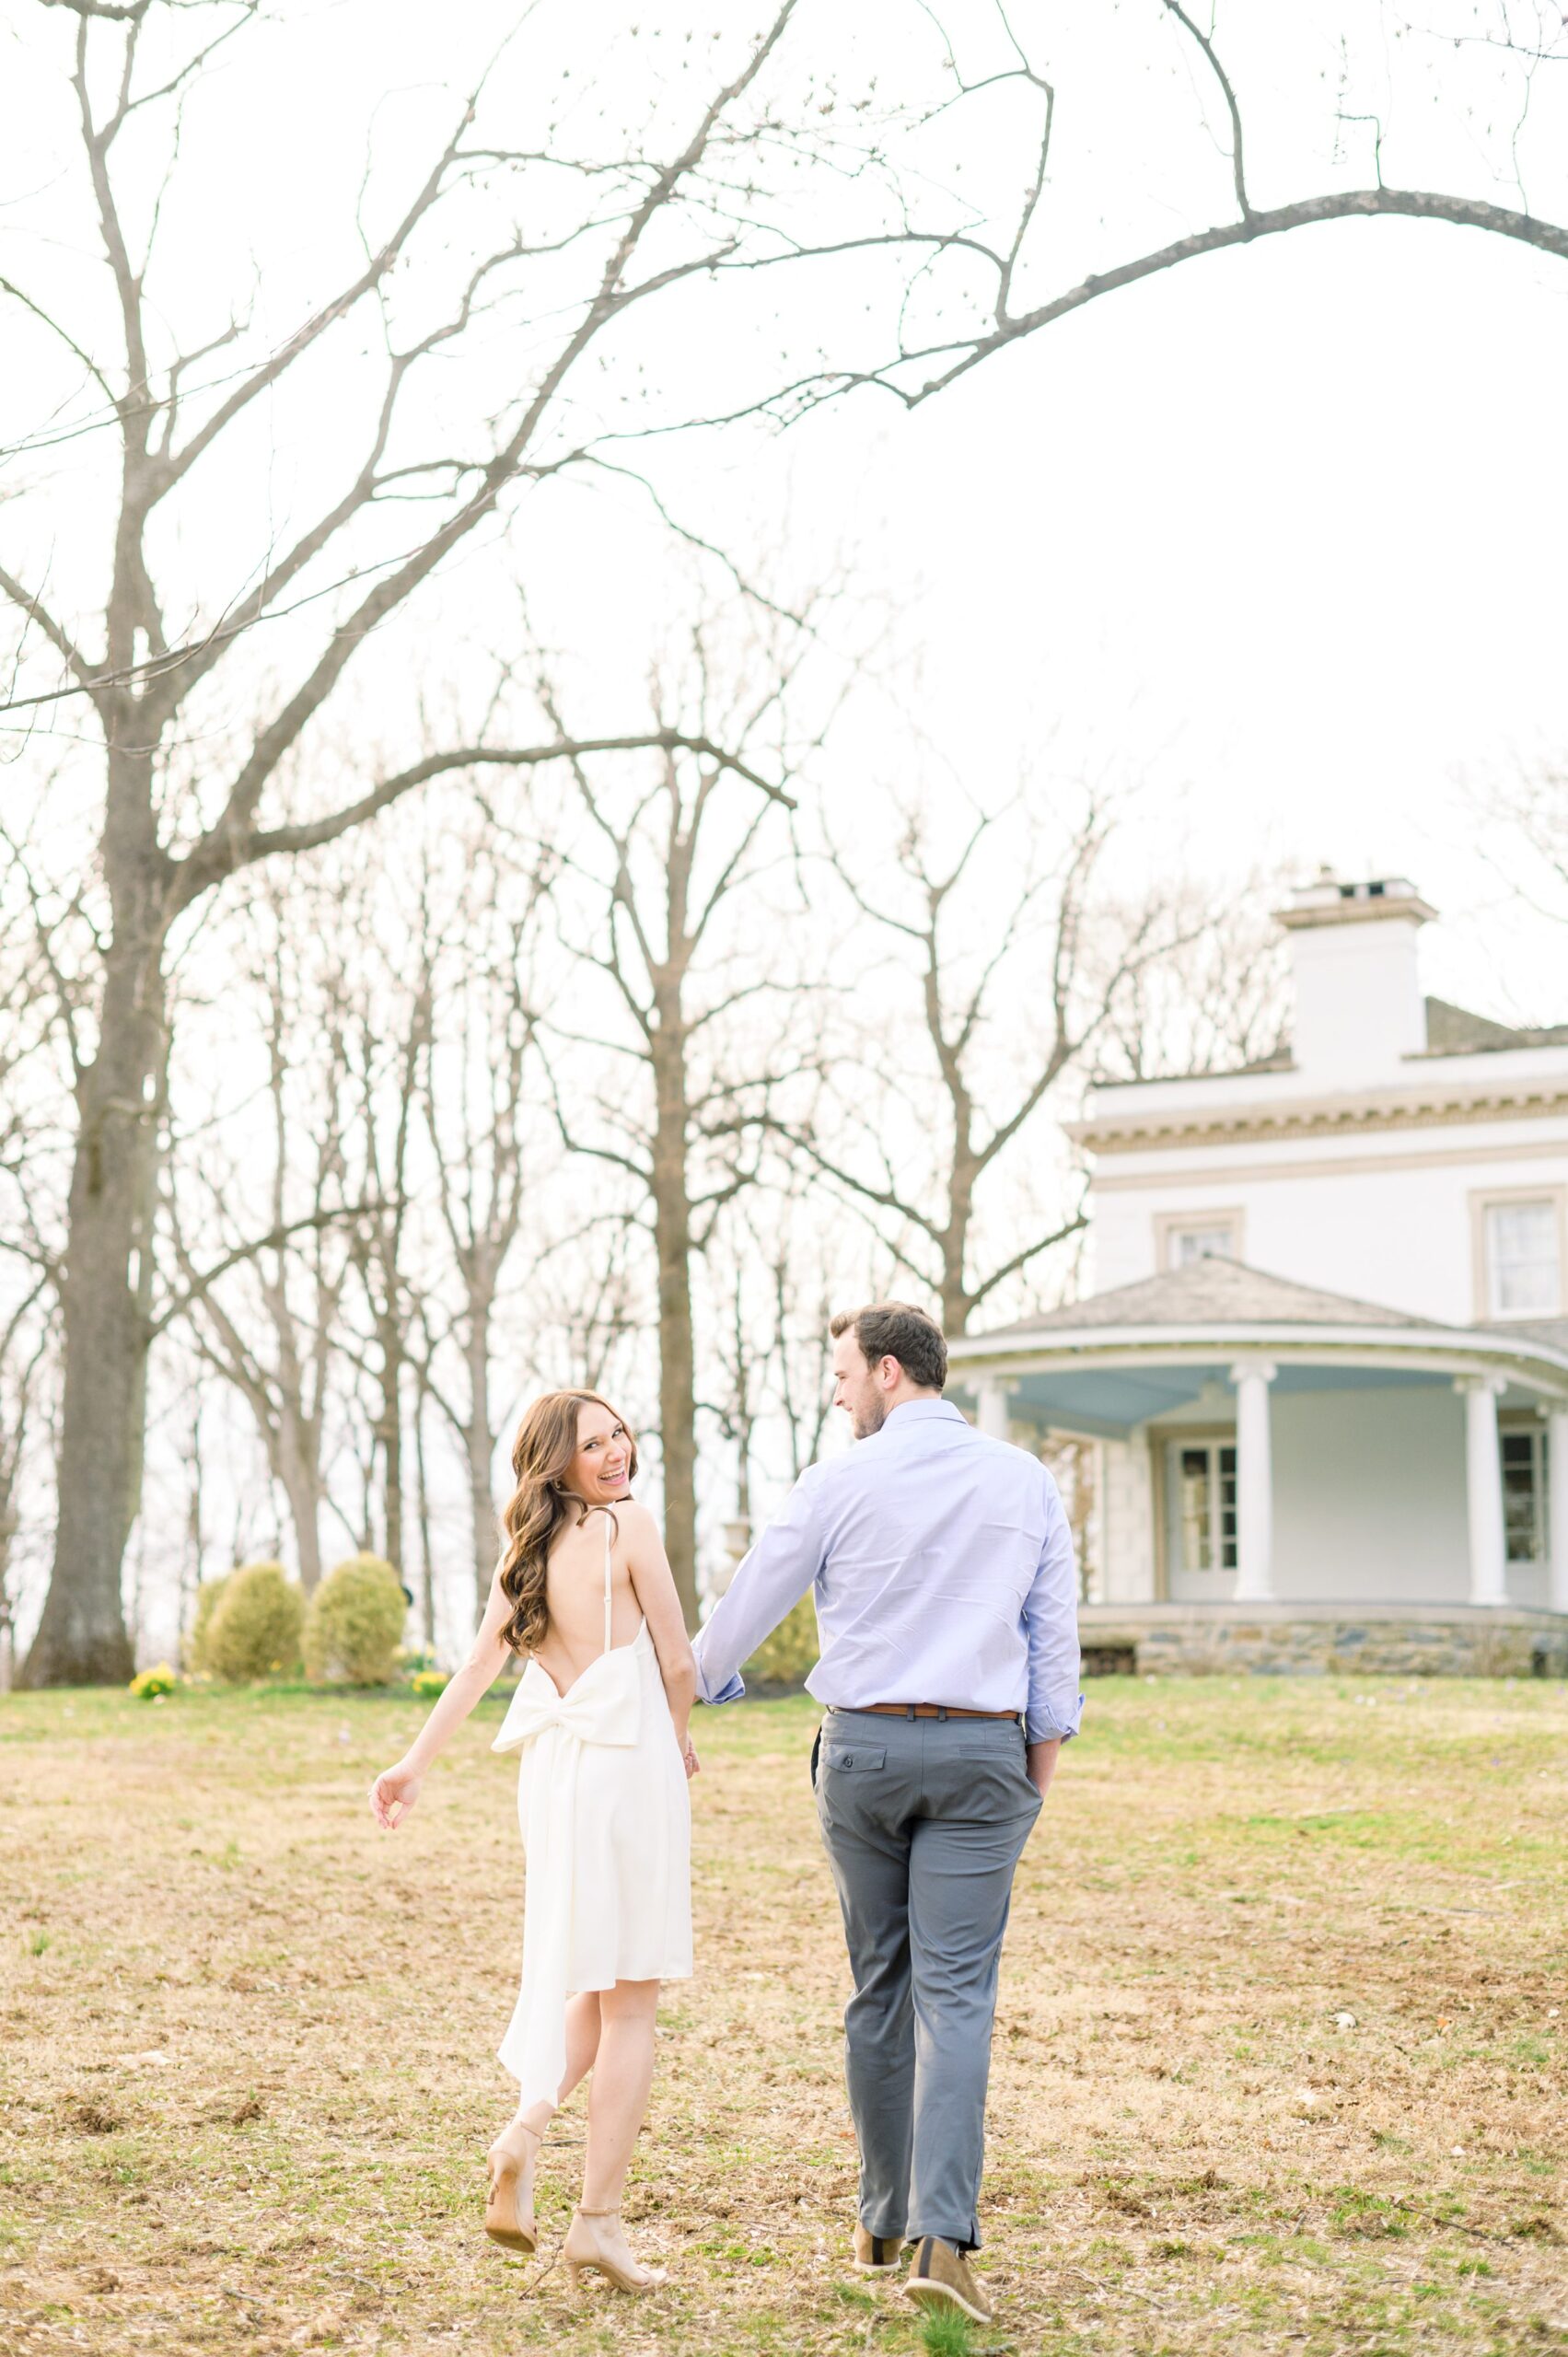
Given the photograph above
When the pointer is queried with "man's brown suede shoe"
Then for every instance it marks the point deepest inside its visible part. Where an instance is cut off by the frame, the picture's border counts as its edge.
(940, 2279)
(876, 2254)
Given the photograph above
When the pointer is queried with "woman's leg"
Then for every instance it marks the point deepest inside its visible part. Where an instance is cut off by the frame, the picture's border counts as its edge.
(582, 2046)
(509, 2212)
(618, 2097)
(582, 2039)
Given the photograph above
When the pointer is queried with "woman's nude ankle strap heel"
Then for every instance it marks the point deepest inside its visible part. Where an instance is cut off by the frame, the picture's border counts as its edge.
(508, 2209)
(586, 2247)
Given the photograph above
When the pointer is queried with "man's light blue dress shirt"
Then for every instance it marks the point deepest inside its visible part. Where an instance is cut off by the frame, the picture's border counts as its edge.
(943, 1567)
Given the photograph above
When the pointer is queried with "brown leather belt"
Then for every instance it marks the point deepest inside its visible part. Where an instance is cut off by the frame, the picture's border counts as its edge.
(926, 1711)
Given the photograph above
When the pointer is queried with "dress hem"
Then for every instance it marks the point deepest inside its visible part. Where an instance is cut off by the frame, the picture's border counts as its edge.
(596, 1988)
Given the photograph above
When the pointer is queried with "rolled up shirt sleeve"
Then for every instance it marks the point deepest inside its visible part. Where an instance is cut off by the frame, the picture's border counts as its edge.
(768, 1583)
(1050, 1620)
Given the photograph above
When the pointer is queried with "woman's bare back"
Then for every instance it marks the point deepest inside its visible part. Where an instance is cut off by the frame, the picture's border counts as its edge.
(575, 1588)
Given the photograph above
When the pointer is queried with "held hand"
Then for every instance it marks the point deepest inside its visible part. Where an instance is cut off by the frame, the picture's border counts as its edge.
(690, 1761)
(392, 1796)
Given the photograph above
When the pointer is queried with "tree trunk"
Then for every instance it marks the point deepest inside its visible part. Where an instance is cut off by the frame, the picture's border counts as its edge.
(298, 1457)
(390, 1441)
(81, 1638)
(480, 1444)
(955, 1302)
(426, 1564)
(672, 1236)
(743, 1477)
(961, 1180)
(955, 1299)
(8, 1523)
(292, 1428)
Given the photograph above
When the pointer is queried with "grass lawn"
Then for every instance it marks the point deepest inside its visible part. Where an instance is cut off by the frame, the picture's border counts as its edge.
(1279, 2060)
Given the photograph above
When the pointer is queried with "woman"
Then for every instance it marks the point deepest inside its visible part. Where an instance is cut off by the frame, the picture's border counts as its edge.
(584, 1590)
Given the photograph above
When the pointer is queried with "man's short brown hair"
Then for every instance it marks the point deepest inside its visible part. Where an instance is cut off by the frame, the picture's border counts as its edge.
(895, 1330)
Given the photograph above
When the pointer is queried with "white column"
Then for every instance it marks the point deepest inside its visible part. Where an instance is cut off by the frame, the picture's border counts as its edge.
(1557, 1505)
(1483, 1488)
(993, 1415)
(1254, 1483)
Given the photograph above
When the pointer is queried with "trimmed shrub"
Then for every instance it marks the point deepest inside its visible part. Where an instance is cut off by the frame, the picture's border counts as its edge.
(788, 1656)
(152, 1685)
(254, 1629)
(356, 1624)
(208, 1596)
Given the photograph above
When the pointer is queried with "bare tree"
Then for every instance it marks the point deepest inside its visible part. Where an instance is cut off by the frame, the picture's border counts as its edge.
(1012, 987)
(268, 1315)
(673, 927)
(1218, 999)
(589, 1306)
(1519, 825)
(37, 1004)
(26, 1337)
(770, 1299)
(1488, 73)
(740, 1355)
(1073, 1465)
(383, 1067)
(422, 1514)
(646, 222)
(1535, 808)
(484, 1137)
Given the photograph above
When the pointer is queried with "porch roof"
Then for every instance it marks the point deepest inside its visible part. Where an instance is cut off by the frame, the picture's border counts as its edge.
(1203, 1292)
(1201, 1318)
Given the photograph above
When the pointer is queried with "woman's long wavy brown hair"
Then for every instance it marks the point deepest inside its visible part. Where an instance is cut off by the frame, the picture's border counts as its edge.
(545, 1446)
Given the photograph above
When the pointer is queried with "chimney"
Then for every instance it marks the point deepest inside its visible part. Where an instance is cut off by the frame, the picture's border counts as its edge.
(1358, 1000)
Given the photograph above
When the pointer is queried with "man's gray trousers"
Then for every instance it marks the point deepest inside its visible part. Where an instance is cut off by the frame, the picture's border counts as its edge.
(924, 1820)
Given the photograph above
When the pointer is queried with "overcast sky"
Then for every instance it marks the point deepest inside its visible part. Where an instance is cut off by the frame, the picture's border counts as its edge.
(1281, 533)
(1292, 527)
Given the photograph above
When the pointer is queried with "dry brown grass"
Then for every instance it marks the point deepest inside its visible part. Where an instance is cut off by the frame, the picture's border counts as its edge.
(247, 2076)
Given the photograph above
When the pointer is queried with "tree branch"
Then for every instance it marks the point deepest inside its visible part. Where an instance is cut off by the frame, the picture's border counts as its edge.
(221, 852)
(274, 1238)
(62, 644)
(1223, 78)
(883, 1197)
(1021, 1259)
(1352, 205)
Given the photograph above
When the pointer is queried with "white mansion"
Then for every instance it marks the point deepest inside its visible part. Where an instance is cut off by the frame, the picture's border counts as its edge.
(1325, 1368)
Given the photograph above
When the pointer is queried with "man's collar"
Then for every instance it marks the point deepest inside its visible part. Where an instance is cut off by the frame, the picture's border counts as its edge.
(912, 1411)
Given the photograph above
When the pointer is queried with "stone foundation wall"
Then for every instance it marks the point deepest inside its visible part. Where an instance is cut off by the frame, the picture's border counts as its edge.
(1436, 1645)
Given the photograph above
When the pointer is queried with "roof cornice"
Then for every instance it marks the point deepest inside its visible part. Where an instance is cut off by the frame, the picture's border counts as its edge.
(1308, 915)
(1430, 1105)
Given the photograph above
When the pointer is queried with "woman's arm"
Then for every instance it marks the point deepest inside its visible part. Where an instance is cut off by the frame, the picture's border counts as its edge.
(653, 1584)
(396, 1790)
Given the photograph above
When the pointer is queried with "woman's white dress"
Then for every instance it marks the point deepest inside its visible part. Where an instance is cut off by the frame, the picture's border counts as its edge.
(607, 1829)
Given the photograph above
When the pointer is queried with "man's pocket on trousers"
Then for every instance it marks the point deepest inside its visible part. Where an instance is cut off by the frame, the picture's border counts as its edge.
(985, 1776)
(846, 1754)
(852, 1782)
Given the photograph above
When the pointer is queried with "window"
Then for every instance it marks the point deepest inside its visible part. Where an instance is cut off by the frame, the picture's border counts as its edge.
(1524, 1493)
(1182, 1237)
(1524, 1274)
(1202, 1488)
(1189, 1243)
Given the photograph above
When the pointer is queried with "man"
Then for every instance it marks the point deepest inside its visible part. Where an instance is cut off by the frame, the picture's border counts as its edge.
(947, 1607)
